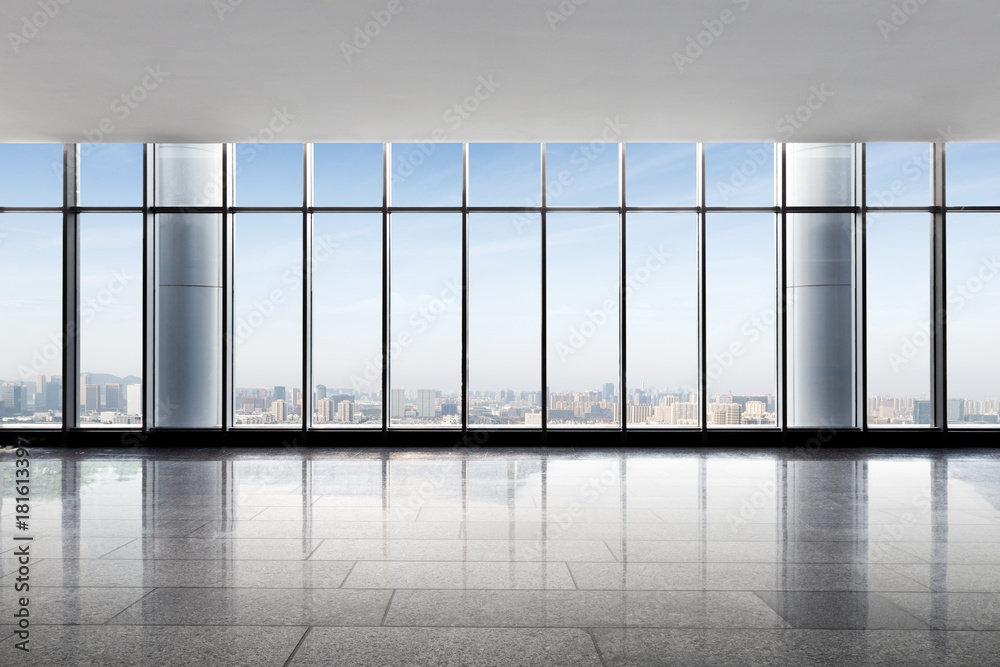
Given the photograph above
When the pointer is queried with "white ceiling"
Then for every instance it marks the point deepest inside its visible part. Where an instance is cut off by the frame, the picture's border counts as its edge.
(227, 71)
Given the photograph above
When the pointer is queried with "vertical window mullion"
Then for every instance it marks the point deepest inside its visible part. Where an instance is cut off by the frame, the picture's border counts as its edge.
(702, 296)
(939, 301)
(306, 404)
(71, 288)
(227, 287)
(623, 391)
(386, 181)
(464, 391)
(545, 360)
(781, 289)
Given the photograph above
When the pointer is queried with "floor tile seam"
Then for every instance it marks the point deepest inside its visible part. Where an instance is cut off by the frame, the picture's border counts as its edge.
(141, 598)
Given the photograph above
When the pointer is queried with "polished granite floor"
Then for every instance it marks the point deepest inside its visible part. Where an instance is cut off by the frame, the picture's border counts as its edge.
(481, 557)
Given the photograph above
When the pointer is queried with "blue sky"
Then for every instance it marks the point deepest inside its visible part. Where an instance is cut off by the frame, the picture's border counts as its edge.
(505, 268)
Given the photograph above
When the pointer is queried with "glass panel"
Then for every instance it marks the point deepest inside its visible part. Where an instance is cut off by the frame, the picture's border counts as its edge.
(347, 174)
(426, 174)
(583, 314)
(973, 318)
(31, 175)
(267, 319)
(973, 176)
(819, 174)
(661, 260)
(31, 325)
(505, 319)
(347, 318)
(425, 339)
(899, 174)
(268, 174)
(505, 175)
(898, 247)
(110, 319)
(111, 174)
(739, 174)
(188, 331)
(661, 174)
(741, 319)
(582, 174)
(821, 325)
(188, 175)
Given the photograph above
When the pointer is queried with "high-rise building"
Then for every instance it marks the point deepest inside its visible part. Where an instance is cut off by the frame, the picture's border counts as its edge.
(40, 393)
(324, 410)
(921, 412)
(92, 396)
(280, 410)
(53, 393)
(82, 398)
(13, 398)
(609, 391)
(320, 392)
(426, 403)
(398, 403)
(956, 410)
(133, 399)
(345, 412)
(112, 396)
(279, 393)
(725, 413)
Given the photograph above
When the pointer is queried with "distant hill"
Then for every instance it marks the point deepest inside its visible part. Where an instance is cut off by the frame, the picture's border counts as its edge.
(102, 379)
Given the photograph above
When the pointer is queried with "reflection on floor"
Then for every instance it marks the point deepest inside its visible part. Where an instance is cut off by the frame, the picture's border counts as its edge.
(319, 557)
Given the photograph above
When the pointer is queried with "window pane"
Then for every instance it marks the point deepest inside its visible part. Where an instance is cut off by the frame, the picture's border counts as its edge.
(581, 174)
(899, 174)
(819, 174)
(661, 264)
(425, 340)
(347, 318)
(973, 176)
(973, 318)
(268, 174)
(31, 325)
(347, 174)
(31, 175)
(505, 175)
(426, 174)
(661, 174)
(267, 319)
(188, 175)
(582, 313)
(739, 174)
(111, 174)
(505, 319)
(898, 248)
(741, 319)
(110, 319)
